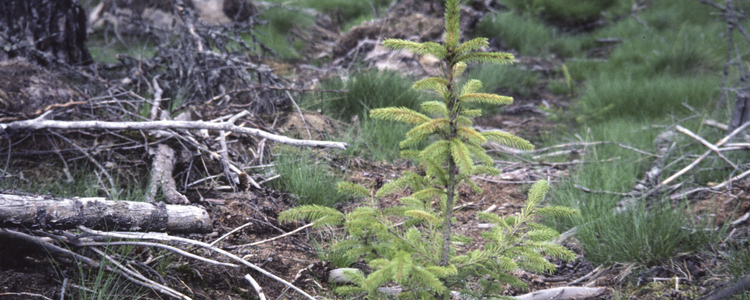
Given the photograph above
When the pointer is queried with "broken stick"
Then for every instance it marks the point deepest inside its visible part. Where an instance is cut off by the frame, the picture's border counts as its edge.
(41, 123)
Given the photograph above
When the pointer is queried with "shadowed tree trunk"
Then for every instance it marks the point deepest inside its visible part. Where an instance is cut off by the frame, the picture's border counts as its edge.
(741, 113)
(38, 28)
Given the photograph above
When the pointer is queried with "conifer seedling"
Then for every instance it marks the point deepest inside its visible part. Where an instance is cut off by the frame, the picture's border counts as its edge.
(413, 245)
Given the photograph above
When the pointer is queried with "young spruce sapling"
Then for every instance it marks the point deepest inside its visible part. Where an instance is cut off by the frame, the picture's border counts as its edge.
(413, 244)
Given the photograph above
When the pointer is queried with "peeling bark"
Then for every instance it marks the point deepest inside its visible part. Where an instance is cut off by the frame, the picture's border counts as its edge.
(46, 212)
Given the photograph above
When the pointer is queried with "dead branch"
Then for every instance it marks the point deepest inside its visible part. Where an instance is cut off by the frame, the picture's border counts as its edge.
(142, 280)
(590, 191)
(157, 98)
(96, 163)
(41, 123)
(59, 213)
(256, 286)
(271, 239)
(13, 237)
(705, 143)
(230, 233)
(561, 293)
(165, 237)
(713, 123)
(25, 294)
(161, 176)
(713, 188)
(636, 150)
(702, 157)
(729, 290)
(586, 277)
(157, 245)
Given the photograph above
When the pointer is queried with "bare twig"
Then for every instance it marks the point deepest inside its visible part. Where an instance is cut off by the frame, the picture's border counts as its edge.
(506, 181)
(713, 188)
(713, 123)
(142, 280)
(51, 249)
(165, 237)
(157, 245)
(705, 143)
(585, 277)
(157, 98)
(25, 294)
(257, 287)
(270, 87)
(40, 123)
(636, 150)
(96, 163)
(301, 115)
(62, 290)
(271, 239)
(702, 157)
(230, 233)
(590, 191)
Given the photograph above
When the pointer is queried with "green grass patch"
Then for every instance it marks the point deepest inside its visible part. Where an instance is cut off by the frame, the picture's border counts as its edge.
(345, 13)
(375, 139)
(656, 68)
(529, 35)
(100, 284)
(644, 234)
(308, 178)
(738, 260)
(566, 11)
(277, 33)
(366, 90)
(609, 96)
(502, 79)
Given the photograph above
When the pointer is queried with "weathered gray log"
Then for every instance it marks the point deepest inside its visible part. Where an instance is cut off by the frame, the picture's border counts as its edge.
(46, 212)
(161, 176)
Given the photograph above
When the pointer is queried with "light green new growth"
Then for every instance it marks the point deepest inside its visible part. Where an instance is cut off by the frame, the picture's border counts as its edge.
(412, 245)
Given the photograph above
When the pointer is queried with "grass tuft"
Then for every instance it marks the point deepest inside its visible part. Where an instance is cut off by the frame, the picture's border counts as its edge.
(565, 11)
(642, 234)
(307, 177)
(366, 90)
(530, 36)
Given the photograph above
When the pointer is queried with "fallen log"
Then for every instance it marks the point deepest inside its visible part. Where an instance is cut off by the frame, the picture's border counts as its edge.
(45, 212)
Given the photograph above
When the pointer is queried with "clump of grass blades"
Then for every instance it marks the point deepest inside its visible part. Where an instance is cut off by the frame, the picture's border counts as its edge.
(376, 139)
(565, 11)
(608, 96)
(100, 284)
(530, 36)
(738, 260)
(305, 177)
(277, 34)
(505, 76)
(366, 90)
(653, 71)
(642, 234)
(346, 11)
